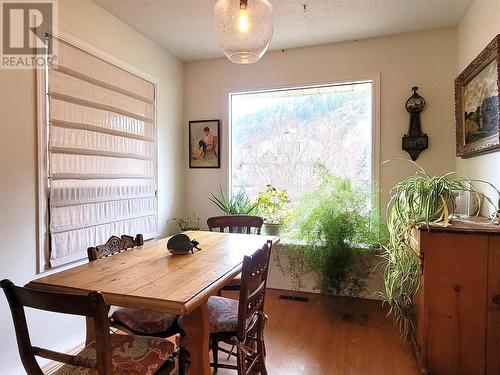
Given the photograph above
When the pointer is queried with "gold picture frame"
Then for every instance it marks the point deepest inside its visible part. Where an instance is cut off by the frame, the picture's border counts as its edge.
(477, 110)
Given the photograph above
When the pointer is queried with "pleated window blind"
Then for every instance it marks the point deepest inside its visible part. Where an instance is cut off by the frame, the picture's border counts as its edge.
(101, 153)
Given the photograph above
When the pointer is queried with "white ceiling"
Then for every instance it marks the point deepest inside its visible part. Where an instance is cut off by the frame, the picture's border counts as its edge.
(184, 27)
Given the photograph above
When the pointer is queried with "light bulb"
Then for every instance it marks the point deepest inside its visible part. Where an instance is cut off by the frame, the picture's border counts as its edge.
(243, 21)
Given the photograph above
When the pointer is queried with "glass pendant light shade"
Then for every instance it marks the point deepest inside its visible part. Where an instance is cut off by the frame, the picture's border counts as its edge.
(243, 28)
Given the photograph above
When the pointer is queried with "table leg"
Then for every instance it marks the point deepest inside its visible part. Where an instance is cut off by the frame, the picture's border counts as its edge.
(90, 327)
(197, 328)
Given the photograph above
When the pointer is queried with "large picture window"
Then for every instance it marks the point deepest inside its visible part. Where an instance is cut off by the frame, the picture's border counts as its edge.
(278, 136)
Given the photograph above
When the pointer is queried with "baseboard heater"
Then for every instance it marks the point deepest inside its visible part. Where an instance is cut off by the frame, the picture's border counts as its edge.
(294, 298)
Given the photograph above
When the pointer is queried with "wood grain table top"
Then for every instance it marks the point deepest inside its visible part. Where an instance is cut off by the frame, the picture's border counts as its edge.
(149, 277)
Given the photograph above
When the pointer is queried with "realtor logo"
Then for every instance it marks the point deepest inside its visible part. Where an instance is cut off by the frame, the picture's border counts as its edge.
(25, 27)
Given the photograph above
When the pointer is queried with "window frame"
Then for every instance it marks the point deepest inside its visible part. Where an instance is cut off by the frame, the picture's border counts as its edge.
(43, 190)
(374, 79)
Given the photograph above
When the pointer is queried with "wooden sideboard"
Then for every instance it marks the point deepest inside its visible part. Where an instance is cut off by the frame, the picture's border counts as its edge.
(458, 303)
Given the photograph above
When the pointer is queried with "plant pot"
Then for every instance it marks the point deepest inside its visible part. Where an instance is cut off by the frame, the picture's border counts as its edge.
(272, 229)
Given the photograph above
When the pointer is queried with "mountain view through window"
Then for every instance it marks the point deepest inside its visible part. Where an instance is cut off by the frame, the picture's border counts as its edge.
(278, 137)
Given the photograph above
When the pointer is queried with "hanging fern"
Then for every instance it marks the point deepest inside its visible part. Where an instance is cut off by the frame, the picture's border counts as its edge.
(330, 223)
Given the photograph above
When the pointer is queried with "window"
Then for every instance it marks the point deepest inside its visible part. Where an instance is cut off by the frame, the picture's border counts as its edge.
(100, 146)
(278, 136)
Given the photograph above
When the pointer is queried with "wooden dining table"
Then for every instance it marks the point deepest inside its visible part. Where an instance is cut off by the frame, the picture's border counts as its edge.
(149, 277)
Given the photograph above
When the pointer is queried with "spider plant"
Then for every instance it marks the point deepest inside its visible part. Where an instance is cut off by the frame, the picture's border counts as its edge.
(418, 200)
(237, 204)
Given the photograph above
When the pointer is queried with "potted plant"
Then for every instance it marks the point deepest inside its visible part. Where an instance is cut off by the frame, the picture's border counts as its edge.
(334, 229)
(418, 200)
(237, 204)
(189, 222)
(274, 207)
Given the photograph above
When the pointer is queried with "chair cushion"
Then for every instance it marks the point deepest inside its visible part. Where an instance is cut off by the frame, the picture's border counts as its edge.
(235, 282)
(131, 355)
(223, 314)
(144, 321)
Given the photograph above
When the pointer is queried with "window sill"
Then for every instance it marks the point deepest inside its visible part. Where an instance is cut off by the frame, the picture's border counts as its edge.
(285, 242)
(65, 267)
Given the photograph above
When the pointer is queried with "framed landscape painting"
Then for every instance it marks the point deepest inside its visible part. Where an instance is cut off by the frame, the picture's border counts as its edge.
(477, 108)
(204, 144)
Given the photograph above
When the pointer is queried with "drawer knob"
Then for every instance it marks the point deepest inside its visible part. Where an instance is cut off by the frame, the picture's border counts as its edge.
(496, 299)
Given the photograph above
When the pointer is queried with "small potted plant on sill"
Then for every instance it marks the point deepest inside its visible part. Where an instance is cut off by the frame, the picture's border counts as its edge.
(237, 204)
(274, 206)
(189, 222)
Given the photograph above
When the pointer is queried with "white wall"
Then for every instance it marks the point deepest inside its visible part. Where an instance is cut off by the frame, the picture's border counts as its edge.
(426, 59)
(477, 28)
(18, 167)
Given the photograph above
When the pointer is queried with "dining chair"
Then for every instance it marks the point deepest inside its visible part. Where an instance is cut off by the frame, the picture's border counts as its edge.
(114, 246)
(235, 224)
(109, 354)
(241, 322)
(137, 321)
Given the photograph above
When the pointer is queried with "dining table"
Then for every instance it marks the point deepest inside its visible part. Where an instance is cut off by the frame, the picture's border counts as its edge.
(149, 277)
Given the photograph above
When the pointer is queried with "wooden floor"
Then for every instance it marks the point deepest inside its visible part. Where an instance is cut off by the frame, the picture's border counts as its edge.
(332, 336)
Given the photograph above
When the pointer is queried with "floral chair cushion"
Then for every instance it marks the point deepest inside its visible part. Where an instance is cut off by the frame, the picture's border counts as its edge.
(144, 321)
(131, 355)
(223, 314)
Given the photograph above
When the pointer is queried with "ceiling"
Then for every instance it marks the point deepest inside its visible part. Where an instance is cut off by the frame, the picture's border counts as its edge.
(184, 27)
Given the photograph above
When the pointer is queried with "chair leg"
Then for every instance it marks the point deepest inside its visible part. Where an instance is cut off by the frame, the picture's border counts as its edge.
(184, 361)
(261, 345)
(261, 348)
(241, 363)
(214, 344)
(231, 353)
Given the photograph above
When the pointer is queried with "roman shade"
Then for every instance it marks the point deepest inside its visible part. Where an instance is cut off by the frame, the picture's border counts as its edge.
(101, 153)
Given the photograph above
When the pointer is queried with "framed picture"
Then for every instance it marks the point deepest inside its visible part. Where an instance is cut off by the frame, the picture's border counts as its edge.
(476, 104)
(204, 144)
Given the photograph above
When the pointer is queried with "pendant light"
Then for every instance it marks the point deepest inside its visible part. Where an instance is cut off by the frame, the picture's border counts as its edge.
(243, 28)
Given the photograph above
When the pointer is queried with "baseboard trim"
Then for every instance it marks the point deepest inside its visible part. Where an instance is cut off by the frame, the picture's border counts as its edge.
(286, 288)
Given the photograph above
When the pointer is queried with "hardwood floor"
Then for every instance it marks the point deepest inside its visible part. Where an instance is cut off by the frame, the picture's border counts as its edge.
(332, 336)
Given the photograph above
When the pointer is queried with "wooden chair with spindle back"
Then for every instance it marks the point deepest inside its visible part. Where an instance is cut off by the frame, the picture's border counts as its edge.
(241, 323)
(235, 224)
(109, 354)
(137, 321)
